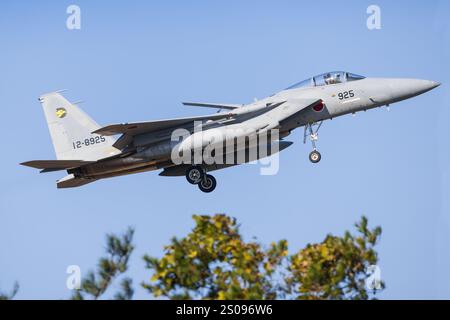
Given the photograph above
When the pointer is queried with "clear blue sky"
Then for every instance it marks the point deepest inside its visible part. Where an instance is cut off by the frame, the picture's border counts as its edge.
(138, 61)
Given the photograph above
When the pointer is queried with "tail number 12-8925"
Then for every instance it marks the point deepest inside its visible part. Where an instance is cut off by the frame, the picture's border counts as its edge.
(88, 142)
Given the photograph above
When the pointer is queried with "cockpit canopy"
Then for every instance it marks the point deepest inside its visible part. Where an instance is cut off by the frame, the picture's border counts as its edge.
(327, 79)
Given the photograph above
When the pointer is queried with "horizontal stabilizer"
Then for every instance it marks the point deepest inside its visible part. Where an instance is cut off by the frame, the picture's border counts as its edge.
(71, 181)
(213, 105)
(53, 165)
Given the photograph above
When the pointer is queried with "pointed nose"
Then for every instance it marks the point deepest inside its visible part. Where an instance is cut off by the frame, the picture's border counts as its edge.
(422, 86)
(407, 88)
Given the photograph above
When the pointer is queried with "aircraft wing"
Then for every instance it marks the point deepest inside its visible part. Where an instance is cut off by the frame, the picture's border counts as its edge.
(213, 105)
(135, 128)
(298, 105)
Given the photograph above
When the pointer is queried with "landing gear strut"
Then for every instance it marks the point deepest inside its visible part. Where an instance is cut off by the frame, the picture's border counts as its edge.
(197, 175)
(311, 130)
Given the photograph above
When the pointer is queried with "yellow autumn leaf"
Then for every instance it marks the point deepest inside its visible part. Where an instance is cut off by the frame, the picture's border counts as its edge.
(170, 259)
(157, 292)
(324, 251)
(247, 256)
(154, 277)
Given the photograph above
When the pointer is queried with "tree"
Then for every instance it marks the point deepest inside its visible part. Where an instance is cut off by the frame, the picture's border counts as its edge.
(95, 284)
(12, 294)
(214, 262)
(335, 268)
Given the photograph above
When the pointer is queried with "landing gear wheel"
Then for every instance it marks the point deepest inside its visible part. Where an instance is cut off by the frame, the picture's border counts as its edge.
(207, 184)
(194, 174)
(315, 156)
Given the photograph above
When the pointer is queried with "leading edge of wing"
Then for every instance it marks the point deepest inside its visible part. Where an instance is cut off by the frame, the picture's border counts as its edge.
(135, 128)
(227, 106)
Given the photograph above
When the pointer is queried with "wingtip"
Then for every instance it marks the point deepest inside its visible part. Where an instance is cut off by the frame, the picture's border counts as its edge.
(30, 164)
(25, 164)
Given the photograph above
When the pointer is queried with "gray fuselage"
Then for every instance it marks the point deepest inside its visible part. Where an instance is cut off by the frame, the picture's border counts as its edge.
(153, 151)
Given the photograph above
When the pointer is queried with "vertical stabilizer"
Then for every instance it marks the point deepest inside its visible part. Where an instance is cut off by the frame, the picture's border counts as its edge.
(71, 131)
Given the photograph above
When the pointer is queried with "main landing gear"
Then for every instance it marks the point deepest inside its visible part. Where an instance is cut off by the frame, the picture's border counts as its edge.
(197, 175)
(311, 130)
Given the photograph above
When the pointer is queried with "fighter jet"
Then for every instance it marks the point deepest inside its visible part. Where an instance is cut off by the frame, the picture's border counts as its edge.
(89, 152)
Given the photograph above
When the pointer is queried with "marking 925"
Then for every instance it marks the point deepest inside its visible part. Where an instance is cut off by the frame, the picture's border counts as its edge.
(346, 95)
(88, 142)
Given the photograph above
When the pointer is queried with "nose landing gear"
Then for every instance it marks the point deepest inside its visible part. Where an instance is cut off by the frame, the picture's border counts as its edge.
(197, 175)
(311, 130)
(315, 156)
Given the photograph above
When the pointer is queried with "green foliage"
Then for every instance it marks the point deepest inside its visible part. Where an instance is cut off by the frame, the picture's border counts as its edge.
(214, 262)
(336, 267)
(12, 294)
(127, 290)
(95, 284)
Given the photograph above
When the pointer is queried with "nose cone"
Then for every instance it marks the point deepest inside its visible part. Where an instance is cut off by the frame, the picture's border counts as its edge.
(407, 88)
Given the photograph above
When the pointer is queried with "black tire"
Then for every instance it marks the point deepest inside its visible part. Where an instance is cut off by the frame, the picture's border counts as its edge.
(194, 174)
(315, 156)
(208, 184)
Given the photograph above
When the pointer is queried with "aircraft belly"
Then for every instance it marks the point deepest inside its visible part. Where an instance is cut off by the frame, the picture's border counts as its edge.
(237, 157)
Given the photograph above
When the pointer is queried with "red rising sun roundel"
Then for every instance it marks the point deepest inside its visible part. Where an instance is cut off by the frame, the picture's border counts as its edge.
(318, 107)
